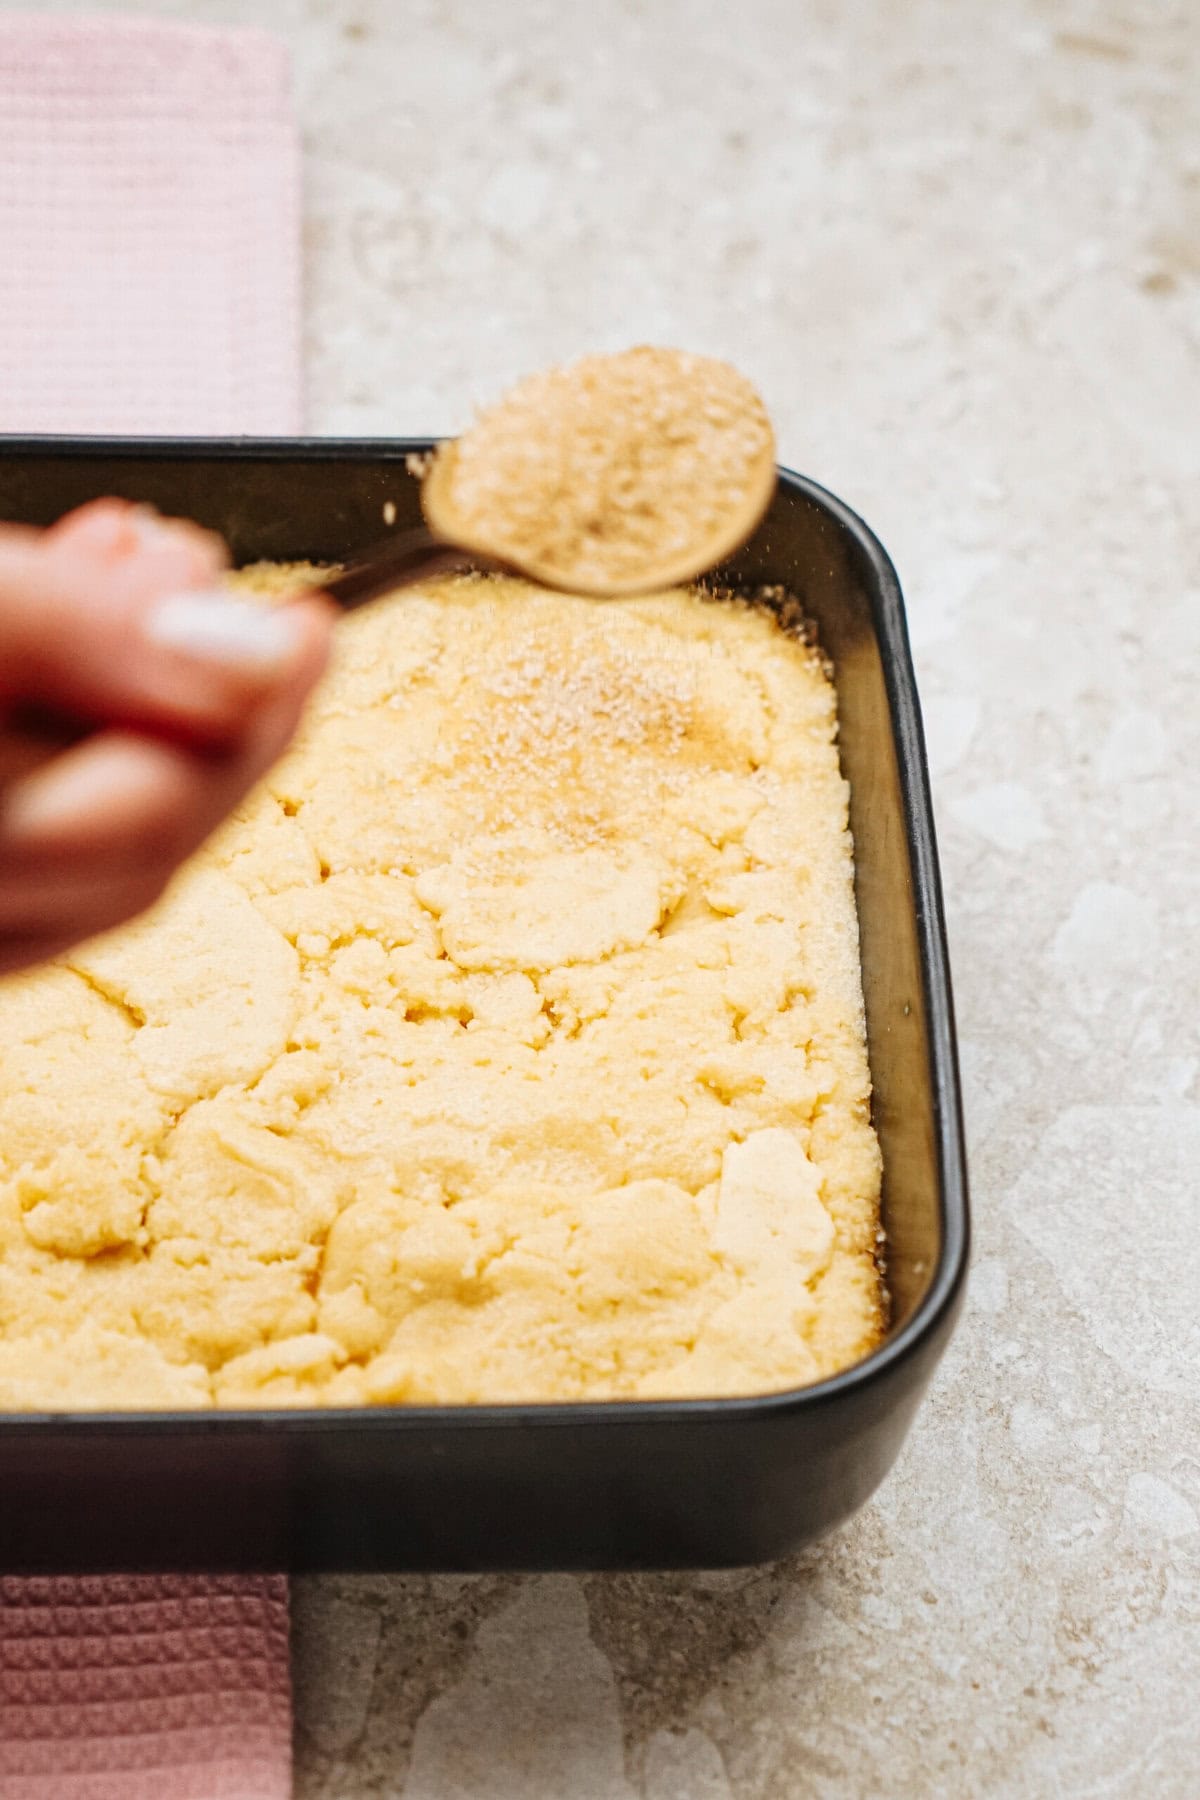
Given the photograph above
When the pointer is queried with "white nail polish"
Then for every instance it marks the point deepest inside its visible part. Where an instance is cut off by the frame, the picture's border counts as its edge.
(214, 628)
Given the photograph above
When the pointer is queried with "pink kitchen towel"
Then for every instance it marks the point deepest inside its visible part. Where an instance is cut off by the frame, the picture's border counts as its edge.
(149, 283)
(149, 229)
(144, 1687)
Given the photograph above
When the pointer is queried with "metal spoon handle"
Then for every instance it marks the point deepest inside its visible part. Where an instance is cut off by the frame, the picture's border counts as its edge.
(400, 561)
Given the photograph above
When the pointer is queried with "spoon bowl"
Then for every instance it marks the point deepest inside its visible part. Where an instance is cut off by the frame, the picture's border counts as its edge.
(674, 569)
(613, 476)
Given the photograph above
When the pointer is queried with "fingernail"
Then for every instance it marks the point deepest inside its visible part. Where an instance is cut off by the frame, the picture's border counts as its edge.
(214, 628)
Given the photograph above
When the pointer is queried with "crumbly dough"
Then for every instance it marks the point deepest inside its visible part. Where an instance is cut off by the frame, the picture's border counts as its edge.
(508, 1044)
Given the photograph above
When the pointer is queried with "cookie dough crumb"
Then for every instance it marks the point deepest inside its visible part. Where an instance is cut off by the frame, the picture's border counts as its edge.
(507, 1044)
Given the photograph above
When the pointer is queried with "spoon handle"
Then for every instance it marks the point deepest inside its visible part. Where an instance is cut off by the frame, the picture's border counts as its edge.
(400, 561)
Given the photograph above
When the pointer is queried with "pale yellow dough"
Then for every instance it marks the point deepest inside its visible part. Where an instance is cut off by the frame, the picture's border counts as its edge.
(507, 1045)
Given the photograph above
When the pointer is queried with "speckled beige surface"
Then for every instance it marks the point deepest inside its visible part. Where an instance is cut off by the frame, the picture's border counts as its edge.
(958, 247)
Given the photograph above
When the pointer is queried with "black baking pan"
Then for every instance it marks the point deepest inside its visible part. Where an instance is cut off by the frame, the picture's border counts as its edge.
(607, 1485)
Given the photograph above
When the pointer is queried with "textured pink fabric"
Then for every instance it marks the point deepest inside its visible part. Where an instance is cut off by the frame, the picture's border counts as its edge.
(149, 250)
(149, 229)
(144, 1687)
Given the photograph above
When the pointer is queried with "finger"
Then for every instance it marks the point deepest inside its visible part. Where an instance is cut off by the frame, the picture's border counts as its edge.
(145, 546)
(95, 846)
(116, 802)
(122, 802)
(119, 529)
(77, 901)
(131, 640)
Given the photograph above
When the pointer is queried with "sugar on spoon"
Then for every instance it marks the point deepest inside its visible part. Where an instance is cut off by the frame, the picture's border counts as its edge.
(615, 475)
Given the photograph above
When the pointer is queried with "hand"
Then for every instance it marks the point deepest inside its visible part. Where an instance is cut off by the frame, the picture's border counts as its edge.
(180, 699)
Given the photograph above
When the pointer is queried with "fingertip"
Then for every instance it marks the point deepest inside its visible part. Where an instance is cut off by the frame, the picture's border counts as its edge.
(148, 548)
(115, 788)
(100, 527)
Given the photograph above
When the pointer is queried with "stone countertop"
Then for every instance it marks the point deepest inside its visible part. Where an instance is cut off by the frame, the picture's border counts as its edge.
(958, 248)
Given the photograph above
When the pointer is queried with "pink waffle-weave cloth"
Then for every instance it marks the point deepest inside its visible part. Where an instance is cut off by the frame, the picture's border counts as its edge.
(149, 283)
(149, 229)
(144, 1687)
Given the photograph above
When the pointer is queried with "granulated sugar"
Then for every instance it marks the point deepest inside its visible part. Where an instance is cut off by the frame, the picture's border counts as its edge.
(608, 470)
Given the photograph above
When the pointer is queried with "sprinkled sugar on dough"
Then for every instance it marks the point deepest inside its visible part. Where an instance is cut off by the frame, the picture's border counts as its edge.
(507, 1044)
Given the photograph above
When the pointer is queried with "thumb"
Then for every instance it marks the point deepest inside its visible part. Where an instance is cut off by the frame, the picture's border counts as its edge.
(143, 638)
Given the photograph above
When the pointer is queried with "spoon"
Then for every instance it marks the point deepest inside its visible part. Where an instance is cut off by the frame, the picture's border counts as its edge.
(616, 475)
(419, 554)
(401, 561)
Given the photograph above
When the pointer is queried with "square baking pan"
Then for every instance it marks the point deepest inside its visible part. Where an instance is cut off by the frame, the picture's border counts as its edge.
(601, 1485)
